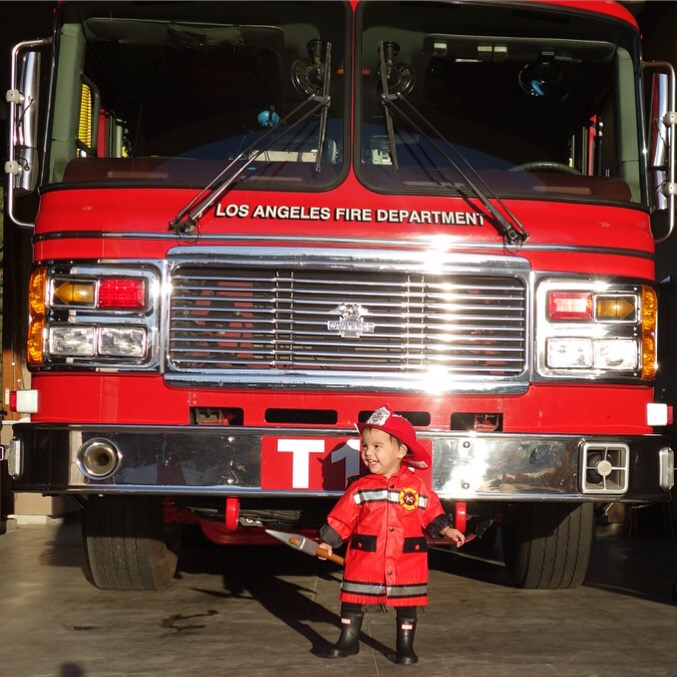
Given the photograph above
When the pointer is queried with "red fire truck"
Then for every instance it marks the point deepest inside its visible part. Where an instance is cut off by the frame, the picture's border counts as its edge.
(251, 224)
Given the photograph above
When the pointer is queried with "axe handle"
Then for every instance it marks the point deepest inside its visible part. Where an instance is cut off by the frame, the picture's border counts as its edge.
(337, 559)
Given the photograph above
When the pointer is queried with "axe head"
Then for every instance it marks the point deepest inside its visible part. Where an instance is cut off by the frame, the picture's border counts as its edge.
(295, 541)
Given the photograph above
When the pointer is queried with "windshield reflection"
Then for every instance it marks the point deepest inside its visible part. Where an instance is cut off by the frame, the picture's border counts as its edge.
(530, 103)
(179, 100)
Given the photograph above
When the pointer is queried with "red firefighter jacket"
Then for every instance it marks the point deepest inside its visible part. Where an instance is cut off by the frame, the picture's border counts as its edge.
(386, 519)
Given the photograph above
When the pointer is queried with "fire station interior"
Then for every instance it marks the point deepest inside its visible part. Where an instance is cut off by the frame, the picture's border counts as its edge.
(270, 68)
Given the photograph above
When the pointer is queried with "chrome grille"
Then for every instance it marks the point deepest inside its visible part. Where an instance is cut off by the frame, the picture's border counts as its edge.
(293, 320)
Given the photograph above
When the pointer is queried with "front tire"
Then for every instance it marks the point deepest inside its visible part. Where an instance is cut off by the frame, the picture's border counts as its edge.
(549, 545)
(127, 546)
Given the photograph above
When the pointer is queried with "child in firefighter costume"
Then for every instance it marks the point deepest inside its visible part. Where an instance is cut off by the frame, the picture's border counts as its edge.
(387, 517)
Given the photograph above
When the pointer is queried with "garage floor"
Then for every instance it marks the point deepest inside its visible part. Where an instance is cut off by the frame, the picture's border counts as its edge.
(272, 611)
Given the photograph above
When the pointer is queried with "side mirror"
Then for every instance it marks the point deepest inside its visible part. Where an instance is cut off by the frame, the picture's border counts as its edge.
(24, 108)
(661, 148)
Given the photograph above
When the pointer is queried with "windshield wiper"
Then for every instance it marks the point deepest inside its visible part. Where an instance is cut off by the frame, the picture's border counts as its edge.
(186, 220)
(385, 98)
(514, 233)
(324, 115)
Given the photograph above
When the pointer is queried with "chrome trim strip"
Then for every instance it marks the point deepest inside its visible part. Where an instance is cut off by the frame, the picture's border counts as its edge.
(337, 258)
(249, 380)
(424, 241)
(226, 461)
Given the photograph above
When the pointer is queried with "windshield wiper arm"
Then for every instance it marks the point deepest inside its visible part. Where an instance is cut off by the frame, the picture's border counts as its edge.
(186, 220)
(514, 233)
(326, 84)
(386, 98)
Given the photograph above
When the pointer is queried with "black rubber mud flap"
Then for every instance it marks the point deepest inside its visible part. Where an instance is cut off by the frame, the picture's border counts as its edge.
(549, 545)
(127, 545)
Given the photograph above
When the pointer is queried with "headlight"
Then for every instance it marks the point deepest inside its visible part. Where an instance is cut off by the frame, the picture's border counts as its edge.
(122, 342)
(569, 353)
(595, 330)
(587, 354)
(68, 340)
(95, 316)
(616, 354)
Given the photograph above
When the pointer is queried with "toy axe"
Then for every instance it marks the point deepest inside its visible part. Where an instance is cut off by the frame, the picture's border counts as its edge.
(304, 544)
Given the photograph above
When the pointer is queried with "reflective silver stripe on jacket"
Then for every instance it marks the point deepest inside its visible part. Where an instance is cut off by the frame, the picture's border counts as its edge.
(372, 589)
(371, 496)
(407, 590)
(377, 495)
(378, 589)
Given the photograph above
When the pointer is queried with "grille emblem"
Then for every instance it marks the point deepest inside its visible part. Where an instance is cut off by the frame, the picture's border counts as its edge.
(350, 322)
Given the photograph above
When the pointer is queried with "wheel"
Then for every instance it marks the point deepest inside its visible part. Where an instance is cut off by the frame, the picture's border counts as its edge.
(545, 166)
(127, 546)
(548, 545)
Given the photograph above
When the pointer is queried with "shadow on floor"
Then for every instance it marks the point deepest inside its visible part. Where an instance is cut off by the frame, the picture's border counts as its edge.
(260, 573)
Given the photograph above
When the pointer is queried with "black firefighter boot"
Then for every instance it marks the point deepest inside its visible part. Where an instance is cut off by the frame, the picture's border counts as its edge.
(406, 629)
(349, 642)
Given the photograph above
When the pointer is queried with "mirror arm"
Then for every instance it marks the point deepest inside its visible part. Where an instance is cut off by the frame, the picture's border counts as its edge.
(669, 119)
(14, 167)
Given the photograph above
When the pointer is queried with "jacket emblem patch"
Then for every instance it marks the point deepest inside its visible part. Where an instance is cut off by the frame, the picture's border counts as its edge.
(409, 499)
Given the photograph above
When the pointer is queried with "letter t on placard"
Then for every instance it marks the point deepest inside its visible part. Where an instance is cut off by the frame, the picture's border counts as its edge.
(348, 451)
(301, 450)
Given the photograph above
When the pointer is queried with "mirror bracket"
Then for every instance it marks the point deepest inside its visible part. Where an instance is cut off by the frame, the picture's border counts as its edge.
(22, 164)
(662, 145)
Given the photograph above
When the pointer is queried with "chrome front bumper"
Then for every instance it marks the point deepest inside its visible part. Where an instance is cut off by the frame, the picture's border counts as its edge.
(218, 461)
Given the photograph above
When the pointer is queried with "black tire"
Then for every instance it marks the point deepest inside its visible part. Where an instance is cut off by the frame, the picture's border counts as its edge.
(127, 546)
(548, 546)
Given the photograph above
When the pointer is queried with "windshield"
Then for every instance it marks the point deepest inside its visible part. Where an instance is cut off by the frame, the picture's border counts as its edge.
(538, 103)
(169, 93)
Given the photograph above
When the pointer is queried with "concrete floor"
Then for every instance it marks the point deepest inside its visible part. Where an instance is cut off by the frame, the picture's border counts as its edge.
(272, 611)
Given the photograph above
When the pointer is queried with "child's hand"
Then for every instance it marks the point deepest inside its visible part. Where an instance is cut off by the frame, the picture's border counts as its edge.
(326, 548)
(455, 535)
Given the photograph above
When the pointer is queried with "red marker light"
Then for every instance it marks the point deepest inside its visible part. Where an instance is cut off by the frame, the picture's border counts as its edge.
(570, 305)
(122, 292)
